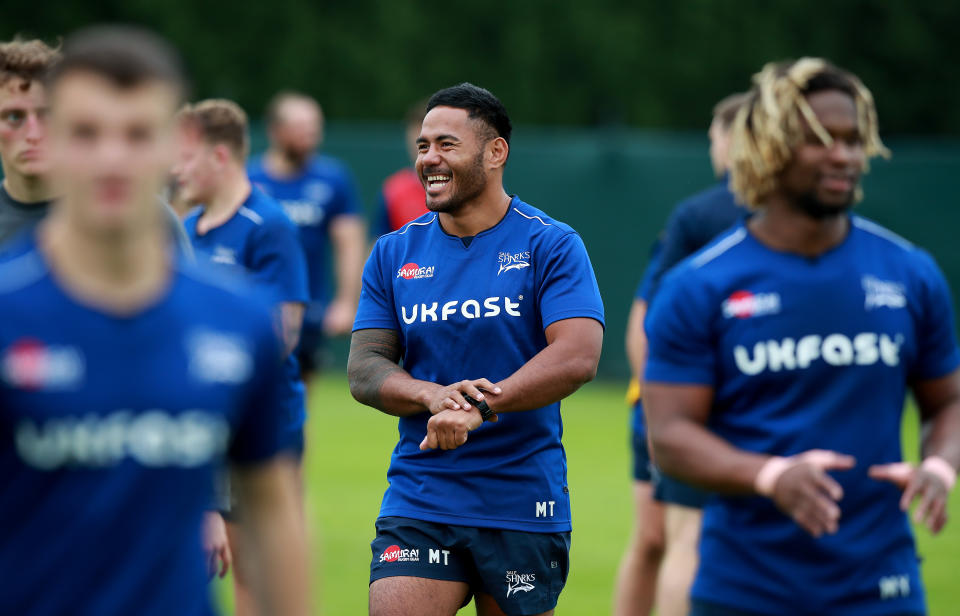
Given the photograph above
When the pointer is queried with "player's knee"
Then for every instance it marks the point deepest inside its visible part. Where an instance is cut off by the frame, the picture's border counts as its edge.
(651, 543)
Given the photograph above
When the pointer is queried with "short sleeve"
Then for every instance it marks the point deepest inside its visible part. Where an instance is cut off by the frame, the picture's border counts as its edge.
(680, 340)
(567, 285)
(382, 226)
(937, 353)
(645, 287)
(346, 200)
(678, 244)
(375, 309)
(277, 262)
(261, 430)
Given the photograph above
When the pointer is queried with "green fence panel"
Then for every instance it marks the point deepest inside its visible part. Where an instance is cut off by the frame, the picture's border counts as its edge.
(617, 187)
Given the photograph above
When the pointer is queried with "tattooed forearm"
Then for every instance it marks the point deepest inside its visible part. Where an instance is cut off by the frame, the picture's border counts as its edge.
(374, 354)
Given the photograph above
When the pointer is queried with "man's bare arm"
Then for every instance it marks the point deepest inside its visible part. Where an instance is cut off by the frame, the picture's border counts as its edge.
(348, 235)
(568, 361)
(939, 404)
(273, 528)
(291, 318)
(376, 378)
(685, 448)
(931, 482)
(636, 338)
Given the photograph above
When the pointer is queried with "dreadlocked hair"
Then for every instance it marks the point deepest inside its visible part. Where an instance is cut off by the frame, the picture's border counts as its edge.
(770, 124)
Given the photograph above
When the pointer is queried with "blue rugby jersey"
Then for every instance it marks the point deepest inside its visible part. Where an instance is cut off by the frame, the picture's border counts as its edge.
(260, 244)
(110, 430)
(693, 223)
(312, 199)
(807, 353)
(466, 312)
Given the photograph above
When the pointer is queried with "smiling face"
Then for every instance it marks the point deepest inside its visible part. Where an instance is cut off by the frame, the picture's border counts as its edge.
(112, 149)
(23, 128)
(822, 179)
(450, 158)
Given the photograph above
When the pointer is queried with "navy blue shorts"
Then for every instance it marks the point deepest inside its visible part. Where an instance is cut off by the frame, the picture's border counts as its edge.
(642, 465)
(523, 571)
(698, 607)
(310, 350)
(672, 491)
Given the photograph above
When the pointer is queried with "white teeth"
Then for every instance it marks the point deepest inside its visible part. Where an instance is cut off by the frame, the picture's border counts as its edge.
(438, 178)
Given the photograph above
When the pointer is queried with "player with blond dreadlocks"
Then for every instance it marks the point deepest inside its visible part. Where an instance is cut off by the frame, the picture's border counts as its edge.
(779, 361)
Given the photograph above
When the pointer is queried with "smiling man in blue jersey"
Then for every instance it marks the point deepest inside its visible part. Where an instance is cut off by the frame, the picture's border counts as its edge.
(779, 360)
(318, 194)
(127, 376)
(243, 232)
(492, 309)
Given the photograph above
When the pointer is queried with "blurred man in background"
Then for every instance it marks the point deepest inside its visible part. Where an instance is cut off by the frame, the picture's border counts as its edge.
(130, 376)
(692, 224)
(484, 285)
(402, 197)
(662, 552)
(779, 359)
(242, 231)
(637, 577)
(26, 192)
(318, 195)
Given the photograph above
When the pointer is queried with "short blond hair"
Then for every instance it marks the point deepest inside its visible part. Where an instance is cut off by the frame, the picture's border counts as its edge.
(27, 60)
(770, 125)
(219, 121)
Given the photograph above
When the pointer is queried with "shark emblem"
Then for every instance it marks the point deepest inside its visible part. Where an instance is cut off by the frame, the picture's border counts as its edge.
(519, 582)
(513, 261)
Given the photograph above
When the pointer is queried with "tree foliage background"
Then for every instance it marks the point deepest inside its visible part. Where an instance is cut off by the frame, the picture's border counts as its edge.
(641, 63)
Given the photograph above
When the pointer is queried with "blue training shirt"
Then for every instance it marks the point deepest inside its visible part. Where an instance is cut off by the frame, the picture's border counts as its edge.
(260, 243)
(467, 312)
(693, 223)
(312, 200)
(806, 353)
(110, 430)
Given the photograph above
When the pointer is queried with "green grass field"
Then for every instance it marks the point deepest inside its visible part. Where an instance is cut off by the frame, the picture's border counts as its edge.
(348, 450)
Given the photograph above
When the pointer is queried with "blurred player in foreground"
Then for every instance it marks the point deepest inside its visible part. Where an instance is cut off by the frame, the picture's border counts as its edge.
(778, 365)
(130, 376)
(319, 196)
(402, 197)
(663, 551)
(242, 231)
(493, 309)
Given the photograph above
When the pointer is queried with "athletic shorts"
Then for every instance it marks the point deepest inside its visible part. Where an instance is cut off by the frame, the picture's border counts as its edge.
(312, 345)
(523, 571)
(225, 498)
(698, 607)
(642, 465)
(672, 491)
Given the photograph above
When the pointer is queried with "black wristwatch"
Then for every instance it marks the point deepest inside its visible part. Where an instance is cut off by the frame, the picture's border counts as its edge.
(485, 411)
